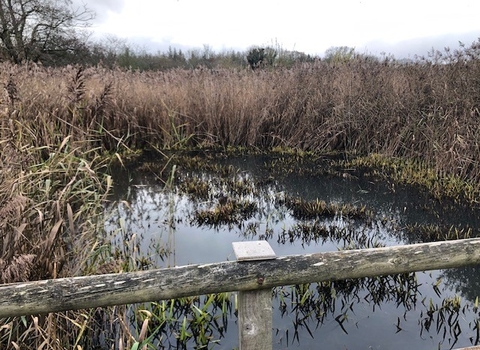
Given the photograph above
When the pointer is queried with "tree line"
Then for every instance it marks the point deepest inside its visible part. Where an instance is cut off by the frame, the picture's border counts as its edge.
(55, 33)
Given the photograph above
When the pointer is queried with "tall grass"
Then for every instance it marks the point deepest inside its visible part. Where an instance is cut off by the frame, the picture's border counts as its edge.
(427, 109)
(52, 191)
(57, 125)
(65, 119)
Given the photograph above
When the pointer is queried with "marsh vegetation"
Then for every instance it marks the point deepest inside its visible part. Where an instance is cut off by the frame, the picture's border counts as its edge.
(63, 129)
(299, 214)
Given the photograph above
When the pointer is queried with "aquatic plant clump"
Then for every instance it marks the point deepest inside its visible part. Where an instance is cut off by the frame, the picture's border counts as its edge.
(425, 109)
(203, 204)
(302, 209)
(230, 212)
(431, 233)
(60, 128)
(415, 172)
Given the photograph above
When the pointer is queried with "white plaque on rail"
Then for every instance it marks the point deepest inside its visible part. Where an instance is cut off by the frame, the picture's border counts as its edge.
(253, 250)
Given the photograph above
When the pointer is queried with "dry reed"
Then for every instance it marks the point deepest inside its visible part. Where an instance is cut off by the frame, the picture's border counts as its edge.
(423, 110)
(57, 124)
(52, 192)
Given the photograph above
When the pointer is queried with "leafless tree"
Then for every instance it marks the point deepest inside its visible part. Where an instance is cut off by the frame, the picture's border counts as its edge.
(33, 30)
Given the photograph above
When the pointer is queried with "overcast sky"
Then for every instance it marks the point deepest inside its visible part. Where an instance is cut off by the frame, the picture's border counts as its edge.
(403, 28)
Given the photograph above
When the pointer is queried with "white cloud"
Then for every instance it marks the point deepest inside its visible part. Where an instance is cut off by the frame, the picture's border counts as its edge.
(102, 8)
(309, 26)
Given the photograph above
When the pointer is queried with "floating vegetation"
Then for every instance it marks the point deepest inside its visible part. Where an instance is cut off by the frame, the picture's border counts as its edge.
(418, 173)
(226, 213)
(207, 163)
(240, 186)
(293, 162)
(418, 233)
(196, 187)
(259, 206)
(302, 209)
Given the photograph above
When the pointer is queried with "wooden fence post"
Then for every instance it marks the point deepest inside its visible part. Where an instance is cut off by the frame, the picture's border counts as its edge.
(254, 306)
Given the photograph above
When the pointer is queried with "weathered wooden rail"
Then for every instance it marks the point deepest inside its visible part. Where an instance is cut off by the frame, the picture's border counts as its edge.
(253, 275)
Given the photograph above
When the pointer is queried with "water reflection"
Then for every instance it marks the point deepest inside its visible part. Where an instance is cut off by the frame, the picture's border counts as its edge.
(204, 211)
(464, 280)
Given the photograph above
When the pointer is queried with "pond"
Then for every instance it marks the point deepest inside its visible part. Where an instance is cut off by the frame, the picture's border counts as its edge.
(192, 210)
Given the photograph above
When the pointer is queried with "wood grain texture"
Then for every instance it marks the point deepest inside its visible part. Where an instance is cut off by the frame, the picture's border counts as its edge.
(255, 319)
(143, 286)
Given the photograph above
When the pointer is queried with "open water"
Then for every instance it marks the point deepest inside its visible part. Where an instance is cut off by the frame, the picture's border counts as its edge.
(149, 219)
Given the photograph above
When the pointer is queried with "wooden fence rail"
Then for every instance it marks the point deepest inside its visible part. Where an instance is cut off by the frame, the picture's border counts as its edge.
(253, 272)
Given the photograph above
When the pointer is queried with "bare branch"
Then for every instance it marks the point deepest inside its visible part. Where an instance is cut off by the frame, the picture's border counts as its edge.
(41, 29)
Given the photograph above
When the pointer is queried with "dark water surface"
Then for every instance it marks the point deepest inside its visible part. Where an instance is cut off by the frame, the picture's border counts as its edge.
(428, 310)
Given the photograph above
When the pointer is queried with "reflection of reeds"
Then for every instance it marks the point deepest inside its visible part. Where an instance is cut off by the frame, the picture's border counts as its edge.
(318, 232)
(421, 110)
(54, 124)
(310, 304)
(445, 319)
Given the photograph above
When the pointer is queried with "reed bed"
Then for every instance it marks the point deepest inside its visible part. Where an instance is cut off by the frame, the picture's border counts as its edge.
(426, 110)
(60, 126)
(52, 191)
